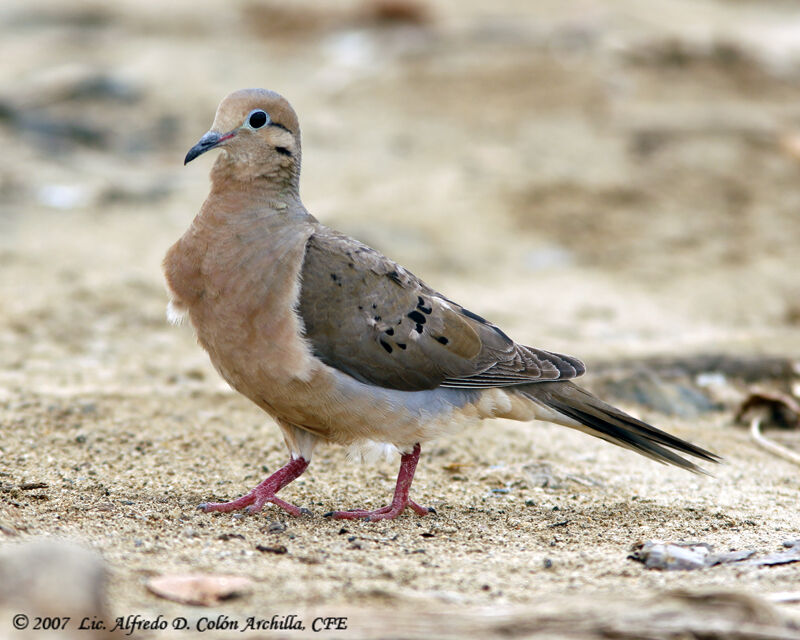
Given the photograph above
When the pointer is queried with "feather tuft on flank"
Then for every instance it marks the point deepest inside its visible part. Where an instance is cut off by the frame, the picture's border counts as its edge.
(175, 316)
(371, 452)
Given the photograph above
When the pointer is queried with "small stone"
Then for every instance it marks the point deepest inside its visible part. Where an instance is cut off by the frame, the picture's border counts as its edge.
(199, 589)
(278, 549)
(27, 486)
(230, 536)
(276, 527)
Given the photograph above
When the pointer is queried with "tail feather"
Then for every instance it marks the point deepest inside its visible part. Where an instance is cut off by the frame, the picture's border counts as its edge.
(600, 419)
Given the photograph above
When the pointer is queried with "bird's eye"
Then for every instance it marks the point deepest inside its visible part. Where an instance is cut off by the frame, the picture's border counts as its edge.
(257, 119)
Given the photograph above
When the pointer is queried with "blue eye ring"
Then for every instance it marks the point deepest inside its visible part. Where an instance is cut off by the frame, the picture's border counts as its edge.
(257, 119)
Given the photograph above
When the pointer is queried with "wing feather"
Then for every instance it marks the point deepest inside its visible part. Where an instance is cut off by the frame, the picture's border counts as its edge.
(371, 318)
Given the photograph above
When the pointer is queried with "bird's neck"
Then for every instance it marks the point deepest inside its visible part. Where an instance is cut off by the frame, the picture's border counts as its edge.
(276, 176)
(242, 205)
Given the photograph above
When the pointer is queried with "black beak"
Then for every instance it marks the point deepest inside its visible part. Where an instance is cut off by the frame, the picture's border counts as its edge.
(208, 141)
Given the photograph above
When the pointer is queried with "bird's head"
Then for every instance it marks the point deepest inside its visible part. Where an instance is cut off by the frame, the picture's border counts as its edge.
(259, 134)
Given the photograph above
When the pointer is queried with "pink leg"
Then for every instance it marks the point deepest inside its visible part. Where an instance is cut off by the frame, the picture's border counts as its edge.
(265, 492)
(408, 464)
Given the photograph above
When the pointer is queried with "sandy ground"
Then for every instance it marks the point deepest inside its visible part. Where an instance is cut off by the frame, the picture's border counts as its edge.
(612, 180)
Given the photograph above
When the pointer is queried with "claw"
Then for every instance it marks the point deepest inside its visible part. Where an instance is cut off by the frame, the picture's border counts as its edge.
(264, 492)
(408, 464)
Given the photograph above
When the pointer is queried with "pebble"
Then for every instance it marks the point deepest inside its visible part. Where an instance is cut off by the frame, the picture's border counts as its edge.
(53, 578)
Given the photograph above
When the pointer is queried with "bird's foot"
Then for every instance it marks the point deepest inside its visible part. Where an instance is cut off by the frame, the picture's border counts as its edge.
(389, 512)
(408, 464)
(253, 502)
(265, 492)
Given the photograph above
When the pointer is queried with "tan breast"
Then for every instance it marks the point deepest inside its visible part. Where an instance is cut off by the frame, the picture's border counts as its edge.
(237, 276)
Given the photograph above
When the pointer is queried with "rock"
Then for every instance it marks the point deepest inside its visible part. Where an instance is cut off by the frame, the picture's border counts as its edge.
(199, 589)
(53, 578)
(671, 397)
(683, 556)
(775, 408)
(792, 554)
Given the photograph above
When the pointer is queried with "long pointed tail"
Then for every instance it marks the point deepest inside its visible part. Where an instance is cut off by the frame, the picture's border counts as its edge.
(568, 404)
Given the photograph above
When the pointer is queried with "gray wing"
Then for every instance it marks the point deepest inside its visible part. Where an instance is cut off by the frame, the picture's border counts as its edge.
(369, 317)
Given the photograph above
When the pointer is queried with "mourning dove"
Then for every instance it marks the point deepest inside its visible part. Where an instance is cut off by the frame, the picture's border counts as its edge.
(337, 342)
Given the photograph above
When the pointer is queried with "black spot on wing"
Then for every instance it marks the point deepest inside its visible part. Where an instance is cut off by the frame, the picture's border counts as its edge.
(386, 346)
(283, 151)
(441, 339)
(418, 319)
(394, 277)
(421, 305)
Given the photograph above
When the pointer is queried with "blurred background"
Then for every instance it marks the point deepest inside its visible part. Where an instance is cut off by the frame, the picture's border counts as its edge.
(601, 178)
(610, 179)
